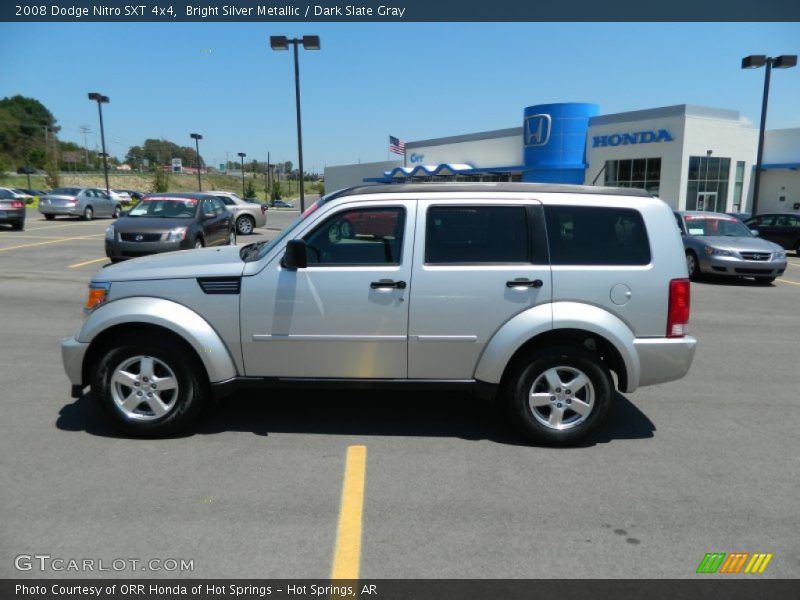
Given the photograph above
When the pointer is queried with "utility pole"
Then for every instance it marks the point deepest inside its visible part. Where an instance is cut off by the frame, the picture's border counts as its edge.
(85, 130)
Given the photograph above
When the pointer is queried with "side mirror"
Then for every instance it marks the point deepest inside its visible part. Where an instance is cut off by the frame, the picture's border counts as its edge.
(295, 255)
(754, 232)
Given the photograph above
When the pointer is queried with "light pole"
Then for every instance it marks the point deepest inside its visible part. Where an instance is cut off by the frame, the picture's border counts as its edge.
(241, 157)
(100, 99)
(197, 137)
(755, 61)
(309, 42)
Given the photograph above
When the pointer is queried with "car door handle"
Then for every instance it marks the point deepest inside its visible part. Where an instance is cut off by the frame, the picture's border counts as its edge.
(536, 283)
(388, 283)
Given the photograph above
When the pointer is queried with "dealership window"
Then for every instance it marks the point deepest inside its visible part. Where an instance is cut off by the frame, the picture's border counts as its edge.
(707, 187)
(738, 186)
(644, 173)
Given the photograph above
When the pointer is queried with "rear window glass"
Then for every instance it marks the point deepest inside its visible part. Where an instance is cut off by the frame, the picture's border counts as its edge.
(588, 235)
(66, 191)
(476, 234)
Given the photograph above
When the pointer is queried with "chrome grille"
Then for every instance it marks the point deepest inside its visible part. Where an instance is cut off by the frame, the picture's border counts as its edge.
(756, 255)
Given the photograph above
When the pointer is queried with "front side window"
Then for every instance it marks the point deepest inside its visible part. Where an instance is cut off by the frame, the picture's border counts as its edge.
(588, 235)
(477, 234)
(358, 237)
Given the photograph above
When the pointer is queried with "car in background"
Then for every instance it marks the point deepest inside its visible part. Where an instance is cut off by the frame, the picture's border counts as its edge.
(281, 204)
(781, 228)
(29, 192)
(170, 221)
(718, 244)
(12, 209)
(84, 202)
(246, 215)
(135, 196)
(120, 196)
(742, 216)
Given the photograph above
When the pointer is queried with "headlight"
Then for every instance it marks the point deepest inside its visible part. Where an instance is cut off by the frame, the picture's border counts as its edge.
(710, 251)
(110, 233)
(778, 255)
(98, 294)
(177, 235)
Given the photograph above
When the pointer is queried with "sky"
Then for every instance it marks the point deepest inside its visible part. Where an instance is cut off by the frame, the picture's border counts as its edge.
(414, 81)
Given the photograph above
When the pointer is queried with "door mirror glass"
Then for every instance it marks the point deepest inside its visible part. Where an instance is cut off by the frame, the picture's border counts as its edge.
(295, 256)
(754, 232)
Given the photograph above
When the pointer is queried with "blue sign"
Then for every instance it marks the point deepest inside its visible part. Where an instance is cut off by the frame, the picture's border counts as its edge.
(636, 137)
(537, 130)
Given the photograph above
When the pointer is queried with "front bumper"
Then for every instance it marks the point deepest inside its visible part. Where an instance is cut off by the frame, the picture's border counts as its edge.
(72, 355)
(664, 359)
(121, 250)
(732, 265)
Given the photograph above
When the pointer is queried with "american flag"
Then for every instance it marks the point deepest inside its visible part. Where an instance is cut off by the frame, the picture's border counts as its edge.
(396, 146)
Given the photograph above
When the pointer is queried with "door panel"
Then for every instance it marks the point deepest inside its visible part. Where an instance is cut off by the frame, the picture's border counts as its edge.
(340, 317)
(466, 260)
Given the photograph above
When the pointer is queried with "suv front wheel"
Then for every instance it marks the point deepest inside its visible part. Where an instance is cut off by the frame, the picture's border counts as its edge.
(560, 395)
(148, 388)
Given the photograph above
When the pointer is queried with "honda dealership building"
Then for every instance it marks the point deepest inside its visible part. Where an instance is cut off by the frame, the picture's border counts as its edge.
(692, 157)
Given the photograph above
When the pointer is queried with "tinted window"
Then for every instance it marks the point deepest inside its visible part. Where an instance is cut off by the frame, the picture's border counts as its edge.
(586, 235)
(358, 237)
(787, 221)
(476, 234)
(219, 206)
(227, 201)
(6, 194)
(66, 191)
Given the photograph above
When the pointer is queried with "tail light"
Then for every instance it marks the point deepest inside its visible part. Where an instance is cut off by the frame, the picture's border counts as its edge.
(679, 305)
(17, 204)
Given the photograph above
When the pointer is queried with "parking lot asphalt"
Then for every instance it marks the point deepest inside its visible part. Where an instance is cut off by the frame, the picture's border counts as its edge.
(705, 464)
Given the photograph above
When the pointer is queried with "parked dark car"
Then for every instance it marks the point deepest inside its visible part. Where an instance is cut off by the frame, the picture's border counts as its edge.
(171, 221)
(781, 228)
(12, 209)
(281, 204)
(742, 216)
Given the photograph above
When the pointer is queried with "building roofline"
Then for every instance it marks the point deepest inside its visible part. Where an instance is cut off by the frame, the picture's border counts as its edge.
(468, 137)
(689, 110)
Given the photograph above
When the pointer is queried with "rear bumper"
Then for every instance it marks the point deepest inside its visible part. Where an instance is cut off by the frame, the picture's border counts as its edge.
(49, 209)
(664, 359)
(72, 355)
(12, 215)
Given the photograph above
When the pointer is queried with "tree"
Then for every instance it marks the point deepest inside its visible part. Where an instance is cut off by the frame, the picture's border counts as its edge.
(161, 180)
(26, 127)
(250, 190)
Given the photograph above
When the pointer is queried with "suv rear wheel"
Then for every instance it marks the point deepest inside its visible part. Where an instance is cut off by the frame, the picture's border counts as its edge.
(148, 387)
(559, 395)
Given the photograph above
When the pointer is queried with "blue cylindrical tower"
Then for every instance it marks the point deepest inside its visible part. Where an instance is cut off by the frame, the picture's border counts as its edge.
(554, 141)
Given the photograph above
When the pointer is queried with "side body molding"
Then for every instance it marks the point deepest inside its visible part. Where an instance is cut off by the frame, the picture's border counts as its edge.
(173, 316)
(563, 315)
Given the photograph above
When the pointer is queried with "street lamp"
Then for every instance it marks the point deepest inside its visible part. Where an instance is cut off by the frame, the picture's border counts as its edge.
(100, 99)
(197, 137)
(309, 42)
(755, 61)
(241, 156)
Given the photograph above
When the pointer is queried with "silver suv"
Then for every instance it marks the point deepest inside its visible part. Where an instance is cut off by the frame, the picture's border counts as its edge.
(528, 293)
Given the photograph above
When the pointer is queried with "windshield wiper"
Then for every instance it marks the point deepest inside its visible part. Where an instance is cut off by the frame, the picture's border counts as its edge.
(250, 251)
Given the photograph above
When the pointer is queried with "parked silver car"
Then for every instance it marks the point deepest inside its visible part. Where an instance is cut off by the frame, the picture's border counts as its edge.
(533, 294)
(83, 202)
(246, 215)
(721, 244)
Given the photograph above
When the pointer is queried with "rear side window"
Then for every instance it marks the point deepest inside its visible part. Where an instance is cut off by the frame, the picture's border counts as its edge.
(588, 235)
(476, 234)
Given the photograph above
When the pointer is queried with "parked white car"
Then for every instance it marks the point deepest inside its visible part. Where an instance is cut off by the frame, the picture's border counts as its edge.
(246, 215)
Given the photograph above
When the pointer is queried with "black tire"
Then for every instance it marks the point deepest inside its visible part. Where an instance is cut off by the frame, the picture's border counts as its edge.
(88, 214)
(245, 225)
(191, 396)
(765, 280)
(694, 272)
(199, 243)
(49, 217)
(115, 260)
(117, 212)
(18, 225)
(232, 238)
(566, 360)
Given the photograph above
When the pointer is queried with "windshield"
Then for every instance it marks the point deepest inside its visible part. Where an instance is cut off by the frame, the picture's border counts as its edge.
(711, 226)
(171, 208)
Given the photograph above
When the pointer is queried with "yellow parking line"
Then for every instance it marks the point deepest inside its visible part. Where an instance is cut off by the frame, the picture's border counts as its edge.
(56, 241)
(59, 226)
(88, 262)
(347, 556)
(788, 281)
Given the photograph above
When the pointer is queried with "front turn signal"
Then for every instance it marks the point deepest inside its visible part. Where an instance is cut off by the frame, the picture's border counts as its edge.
(98, 294)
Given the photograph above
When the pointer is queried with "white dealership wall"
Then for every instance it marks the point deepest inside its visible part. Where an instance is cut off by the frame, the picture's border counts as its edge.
(695, 131)
(344, 176)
